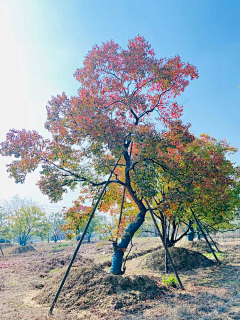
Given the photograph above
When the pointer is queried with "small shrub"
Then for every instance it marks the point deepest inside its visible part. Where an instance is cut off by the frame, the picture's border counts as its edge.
(170, 280)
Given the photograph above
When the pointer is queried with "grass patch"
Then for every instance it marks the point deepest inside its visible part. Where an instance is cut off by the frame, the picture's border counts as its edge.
(49, 255)
(13, 283)
(62, 245)
(170, 280)
(203, 282)
(54, 270)
(211, 256)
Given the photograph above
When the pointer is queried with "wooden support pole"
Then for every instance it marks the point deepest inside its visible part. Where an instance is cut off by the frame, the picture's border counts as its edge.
(165, 247)
(121, 211)
(81, 240)
(165, 240)
(214, 243)
(1, 251)
(205, 237)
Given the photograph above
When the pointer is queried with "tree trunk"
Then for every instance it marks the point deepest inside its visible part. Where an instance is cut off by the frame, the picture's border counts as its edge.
(89, 238)
(121, 247)
(173, 239)
(190, 235)
(1, 251)
(198, 234)
(23, 242)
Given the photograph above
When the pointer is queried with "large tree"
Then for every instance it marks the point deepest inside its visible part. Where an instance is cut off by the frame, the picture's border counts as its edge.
(125, 105)
(187, 173)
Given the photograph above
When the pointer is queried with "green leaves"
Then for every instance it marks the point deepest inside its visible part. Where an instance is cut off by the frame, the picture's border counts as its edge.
(125, 103)
(28, 222)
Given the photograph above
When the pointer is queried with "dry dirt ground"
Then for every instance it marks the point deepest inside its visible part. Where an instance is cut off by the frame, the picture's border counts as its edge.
(28, 282)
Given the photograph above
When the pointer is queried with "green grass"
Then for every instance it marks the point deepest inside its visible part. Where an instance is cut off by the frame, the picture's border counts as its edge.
(170, 280)
(13, 283)
(49, 255)
(54, 270)
(210, 255)
(202, 282)
(62, 245)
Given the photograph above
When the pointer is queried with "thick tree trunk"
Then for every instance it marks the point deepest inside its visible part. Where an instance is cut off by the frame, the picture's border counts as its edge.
(121, 247)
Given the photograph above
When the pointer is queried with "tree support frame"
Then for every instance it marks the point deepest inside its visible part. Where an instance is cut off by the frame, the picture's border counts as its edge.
(81, 240)
(165, 247)
(204, 235)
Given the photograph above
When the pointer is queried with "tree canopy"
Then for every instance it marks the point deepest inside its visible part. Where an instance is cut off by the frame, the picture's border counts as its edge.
(21, 219)
(126, 104)
(28, 222)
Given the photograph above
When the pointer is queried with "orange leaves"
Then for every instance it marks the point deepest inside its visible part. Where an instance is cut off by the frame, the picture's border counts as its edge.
(76, 216)
(110, 72)
(27, 146)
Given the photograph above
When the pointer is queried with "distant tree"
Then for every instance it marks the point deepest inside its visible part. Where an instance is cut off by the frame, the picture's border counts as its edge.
(104, 228)
(92, 227)
(4, 228)
(55, 221)
(76, 220)
(21, 219)
(28, 222)
(16, 203)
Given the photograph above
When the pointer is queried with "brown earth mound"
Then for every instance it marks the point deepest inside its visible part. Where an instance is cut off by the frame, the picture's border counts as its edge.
(198, 245)
(22, 249)
(57, 261)
(183, 259)
(104, 248)
(88, 286)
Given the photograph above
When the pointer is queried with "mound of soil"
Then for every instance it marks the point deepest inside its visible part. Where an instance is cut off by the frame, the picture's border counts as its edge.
(88, 286)
(104, 249)
(57, 261)
(198, 245)
(23, 249)
(183, 259)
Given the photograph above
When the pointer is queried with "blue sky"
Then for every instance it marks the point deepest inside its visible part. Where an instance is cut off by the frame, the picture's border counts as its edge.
(44, 42)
